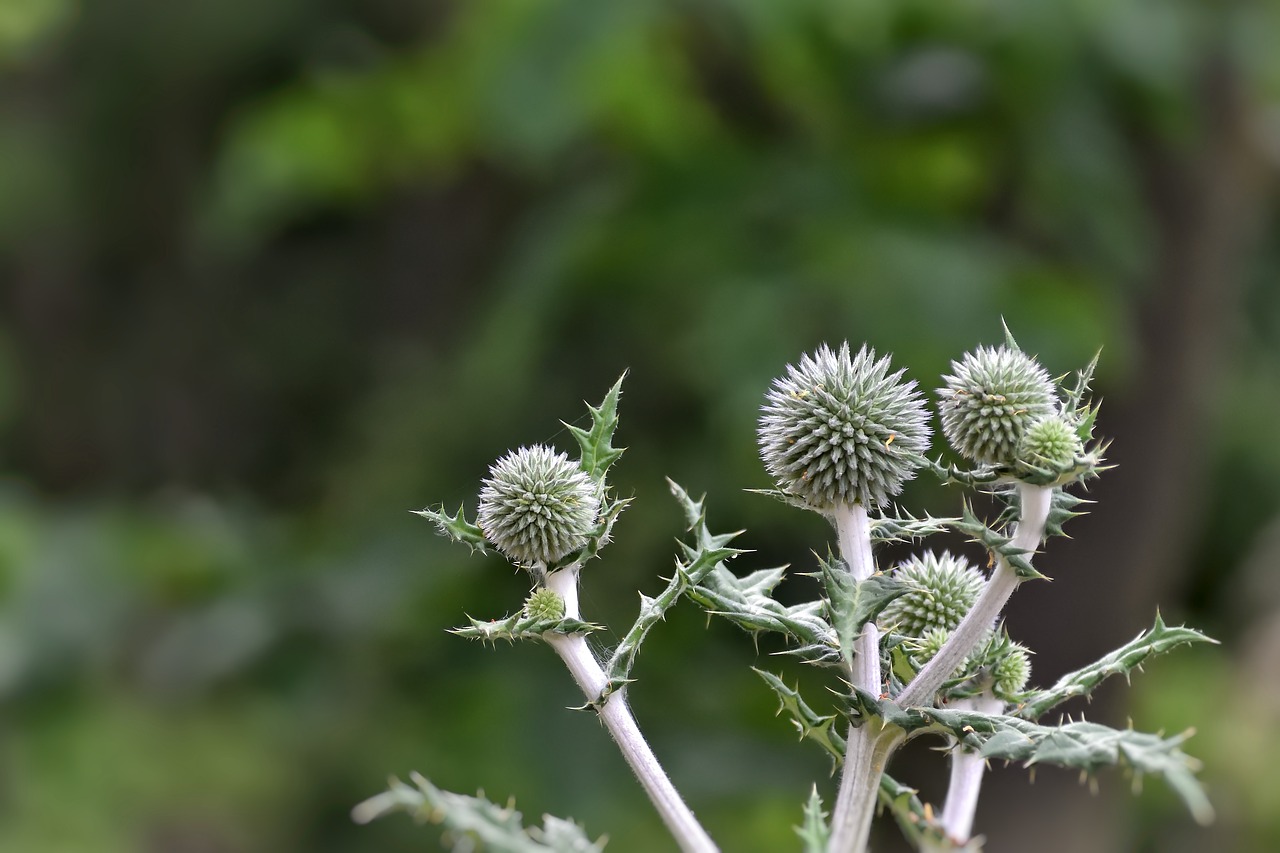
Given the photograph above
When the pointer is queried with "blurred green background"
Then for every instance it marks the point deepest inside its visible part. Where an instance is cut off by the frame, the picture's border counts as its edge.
(274, 273)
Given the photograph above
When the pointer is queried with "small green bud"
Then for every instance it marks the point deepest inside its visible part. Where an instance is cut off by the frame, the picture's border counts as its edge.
(840, 429)
(536, 506)
(941, 589)
(1050, 442)
(544, 605)
(1011, 673)
(990, 400)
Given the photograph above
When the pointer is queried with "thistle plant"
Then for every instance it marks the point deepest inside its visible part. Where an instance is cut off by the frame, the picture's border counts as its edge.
(918, 650)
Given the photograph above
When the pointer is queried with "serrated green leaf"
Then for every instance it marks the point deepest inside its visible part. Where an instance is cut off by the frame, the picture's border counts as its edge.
(1082, 746)
(471, 821)
(813, 726)
(519, 626)
(457, 528)
(598, 452)
(1158, 640)
(814, 832)
(851, 604)
(708, 552)
(905, 527)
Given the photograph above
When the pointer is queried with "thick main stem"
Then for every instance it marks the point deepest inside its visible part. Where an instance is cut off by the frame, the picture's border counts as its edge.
(1034, 502)
(617, 718)
(866, 750)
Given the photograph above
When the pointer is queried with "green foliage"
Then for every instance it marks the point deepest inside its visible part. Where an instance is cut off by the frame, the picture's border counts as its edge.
(598, 452)
(850, 604)
(470, 821)
(813, 832)
(1160, 638)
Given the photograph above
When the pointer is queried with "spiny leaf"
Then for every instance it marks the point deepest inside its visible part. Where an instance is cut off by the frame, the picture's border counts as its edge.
(519, 626)
(471, 821)
(1080, 745)
(457, 528)
(597, 539)
(851, 604)
(814, 832)
(1158, 640)
(907, 528)
(998, 544)
(812, 726)
(598, 452)
(708, 552)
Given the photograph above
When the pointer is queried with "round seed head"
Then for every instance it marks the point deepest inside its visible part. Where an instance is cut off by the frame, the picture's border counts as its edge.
(941, 589)
(991, 398)
(840, 429)
(545, 605)
(1050, 442)
(536, 506)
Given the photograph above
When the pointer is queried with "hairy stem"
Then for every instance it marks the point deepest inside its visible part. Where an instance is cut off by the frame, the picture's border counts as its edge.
(967, 769)
(617, 718)
(865, 756)
(1034, 502)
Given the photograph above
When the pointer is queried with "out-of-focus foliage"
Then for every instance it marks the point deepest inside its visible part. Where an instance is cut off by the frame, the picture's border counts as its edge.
(274, 273)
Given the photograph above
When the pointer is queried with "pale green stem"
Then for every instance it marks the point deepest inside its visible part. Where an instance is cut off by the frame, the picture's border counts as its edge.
(1034, 502)
(865, 752)
(617, 718)
(967, 770)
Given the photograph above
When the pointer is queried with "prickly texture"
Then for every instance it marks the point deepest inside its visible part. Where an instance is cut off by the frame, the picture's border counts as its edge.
(1010, 672)
(544, 605)
(536, 506)
(1050, 442)
(991, 398)
(841, 429)
(940, 590)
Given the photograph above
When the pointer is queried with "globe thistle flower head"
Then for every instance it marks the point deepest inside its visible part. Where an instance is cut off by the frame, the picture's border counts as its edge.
(941, 589)
(544, 605)
(991, 398)
(841, 429)
(536, 506)
(1051, 443)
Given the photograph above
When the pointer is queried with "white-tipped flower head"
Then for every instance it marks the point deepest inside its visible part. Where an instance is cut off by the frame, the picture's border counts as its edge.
(991, 398)
(536, 506)
(545, 605)
(1050, 442)
(941, 589)
(840, 429)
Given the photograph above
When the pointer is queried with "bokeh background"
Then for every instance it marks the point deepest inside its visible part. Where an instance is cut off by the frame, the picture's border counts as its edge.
(274, 273)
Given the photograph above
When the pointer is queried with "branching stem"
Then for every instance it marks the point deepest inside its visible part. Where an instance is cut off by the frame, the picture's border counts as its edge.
(617, 718)
(1034, 502)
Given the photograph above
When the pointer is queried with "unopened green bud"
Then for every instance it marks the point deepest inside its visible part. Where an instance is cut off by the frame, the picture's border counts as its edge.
(940, 590)
(544, 605)
(991, 399)
(1050, 442)
(1011, 673)
(841, 429)
(536, 506)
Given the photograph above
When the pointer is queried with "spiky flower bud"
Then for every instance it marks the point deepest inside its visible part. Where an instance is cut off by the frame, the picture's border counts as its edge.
(536, 506)
(840, 429)
(545, 605)
(991, 398)
(1050, 442)
(941, 589)
(1011, 673)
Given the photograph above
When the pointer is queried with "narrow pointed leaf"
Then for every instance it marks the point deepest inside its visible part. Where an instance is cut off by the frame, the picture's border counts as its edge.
(598, 452)
(457, 528)
(814, 832)
(1159, 639)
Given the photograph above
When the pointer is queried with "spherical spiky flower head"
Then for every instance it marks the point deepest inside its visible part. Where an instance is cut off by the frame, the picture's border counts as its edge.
(545, 605)
(941, 589)
(1050, 442)
(840, 429)
(536, 506)
(991, 398)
